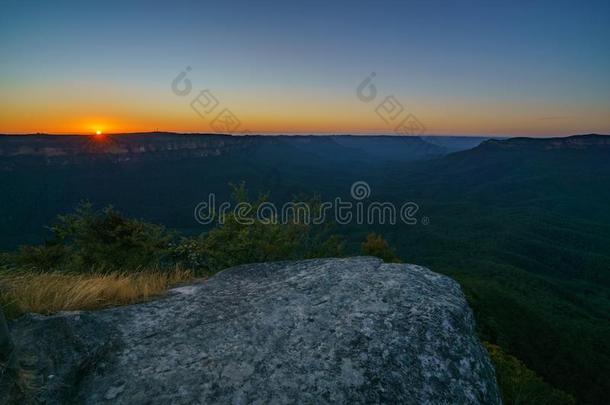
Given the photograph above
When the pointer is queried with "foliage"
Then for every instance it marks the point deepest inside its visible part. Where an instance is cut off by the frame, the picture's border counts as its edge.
(87, 240)
(247, 239)
(109, 239)
(47, 256)
(520, 385)
(375, 245)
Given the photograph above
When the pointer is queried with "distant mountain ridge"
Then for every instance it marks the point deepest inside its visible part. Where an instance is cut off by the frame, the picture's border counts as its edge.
(348, 146)
(509, 154)
(71, 145)
(569, 142)
(201, 145)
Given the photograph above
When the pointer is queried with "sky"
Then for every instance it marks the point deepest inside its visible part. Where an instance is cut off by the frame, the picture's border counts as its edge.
(529, 68)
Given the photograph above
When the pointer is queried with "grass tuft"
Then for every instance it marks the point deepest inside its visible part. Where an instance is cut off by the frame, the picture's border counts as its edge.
(50, 292)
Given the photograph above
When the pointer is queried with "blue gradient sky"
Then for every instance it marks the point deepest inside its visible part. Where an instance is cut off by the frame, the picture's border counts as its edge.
(525, 68)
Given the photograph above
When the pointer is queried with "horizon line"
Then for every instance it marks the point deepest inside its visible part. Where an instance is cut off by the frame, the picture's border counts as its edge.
(294, 134)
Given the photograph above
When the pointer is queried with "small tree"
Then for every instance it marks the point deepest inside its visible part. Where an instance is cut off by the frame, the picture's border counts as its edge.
(375, 245)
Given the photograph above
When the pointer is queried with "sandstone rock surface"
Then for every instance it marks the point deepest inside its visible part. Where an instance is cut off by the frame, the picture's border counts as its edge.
(352, 330)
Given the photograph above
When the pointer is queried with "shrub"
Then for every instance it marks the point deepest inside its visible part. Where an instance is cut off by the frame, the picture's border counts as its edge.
(87, 240)
(248, 240)
(47, 256)
(375, 245)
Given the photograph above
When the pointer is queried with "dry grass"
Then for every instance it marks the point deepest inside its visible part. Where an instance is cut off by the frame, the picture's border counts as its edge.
(47, 293)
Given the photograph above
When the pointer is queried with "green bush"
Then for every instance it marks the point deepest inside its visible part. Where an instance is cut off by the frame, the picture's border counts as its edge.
(248, 240)
(89, 239)
(45, 257)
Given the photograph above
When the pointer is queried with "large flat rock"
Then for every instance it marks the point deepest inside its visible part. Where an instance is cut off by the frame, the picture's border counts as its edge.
(350, 330)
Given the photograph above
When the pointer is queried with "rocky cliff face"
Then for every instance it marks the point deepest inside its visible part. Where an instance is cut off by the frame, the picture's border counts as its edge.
(127, 147)
(76, 148)
(319, 331)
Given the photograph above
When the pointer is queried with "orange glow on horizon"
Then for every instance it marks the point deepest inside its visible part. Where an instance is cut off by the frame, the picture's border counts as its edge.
(304, 118)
